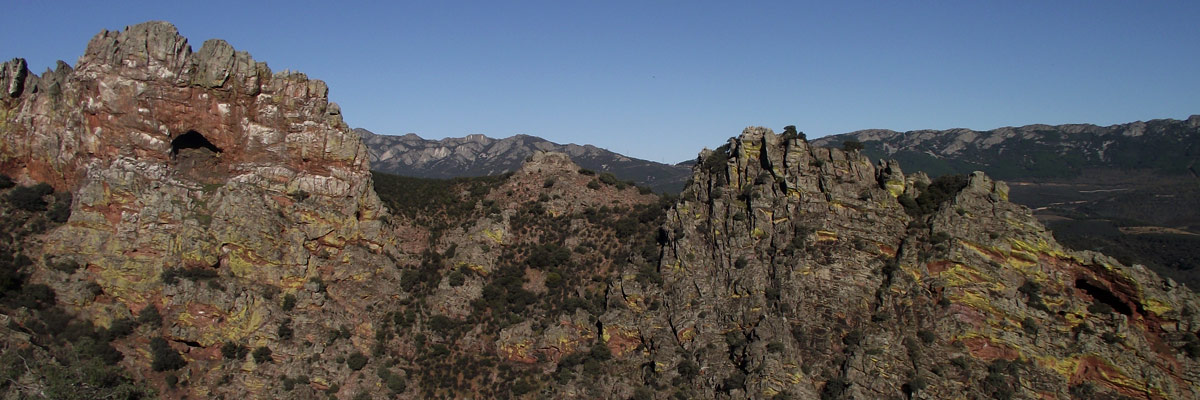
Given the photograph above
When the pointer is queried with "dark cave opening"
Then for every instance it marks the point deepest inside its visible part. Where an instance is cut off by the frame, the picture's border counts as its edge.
(192, 140)
(1104, 296)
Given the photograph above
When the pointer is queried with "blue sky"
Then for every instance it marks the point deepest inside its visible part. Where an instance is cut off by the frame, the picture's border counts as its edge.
(662, 79)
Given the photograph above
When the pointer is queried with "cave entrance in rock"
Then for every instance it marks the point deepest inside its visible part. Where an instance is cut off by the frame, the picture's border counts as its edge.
(1102, 295)
(198, 159)
(192, 140)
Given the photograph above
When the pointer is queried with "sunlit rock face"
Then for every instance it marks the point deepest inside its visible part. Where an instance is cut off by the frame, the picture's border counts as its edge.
(792, 269)
(199, 160)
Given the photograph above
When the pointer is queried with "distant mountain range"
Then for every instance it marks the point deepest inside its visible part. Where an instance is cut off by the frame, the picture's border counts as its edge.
(479, 155)
(1039, 152)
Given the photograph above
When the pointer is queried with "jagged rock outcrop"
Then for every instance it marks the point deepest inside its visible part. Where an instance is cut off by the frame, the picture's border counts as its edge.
(795, 269)
(479, 155)
(207, 161)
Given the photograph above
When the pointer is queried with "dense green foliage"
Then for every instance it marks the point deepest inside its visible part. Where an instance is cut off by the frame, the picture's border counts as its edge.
(852, 145)
(932, 196)
(435, 203)
(716, 162)
(30, 198)
(790, 133)
(165, 358)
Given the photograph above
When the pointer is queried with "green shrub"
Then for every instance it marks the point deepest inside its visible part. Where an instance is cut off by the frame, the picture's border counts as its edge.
(61, 210)
(289, 302)
(121, 327)
(688, 369)
(30, 198)
(456, 278)
(600, 352)
(926, 336)
(285, 330)
(1030, 325)
(790, 132)
(717, 161)
(165, 358)
(442, 324)
(608, 178)
(356, 361)
(67, 267)
(553, 280)
(395, 383)
(261, 355)
(852, 145)
(939, 191)
(150, 316)
(853, 338)
(910, 205)
(234, 351)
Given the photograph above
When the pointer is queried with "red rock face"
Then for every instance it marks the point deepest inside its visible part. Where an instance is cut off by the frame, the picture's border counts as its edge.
(206, 160)
(133, 92)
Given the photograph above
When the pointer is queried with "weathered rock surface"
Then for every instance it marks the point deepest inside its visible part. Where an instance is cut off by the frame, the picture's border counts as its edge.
(793, 269)
(202, 161)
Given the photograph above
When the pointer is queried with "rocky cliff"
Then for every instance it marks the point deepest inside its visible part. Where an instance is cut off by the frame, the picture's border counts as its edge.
(198, 164)
(810, 271)
(479, 155)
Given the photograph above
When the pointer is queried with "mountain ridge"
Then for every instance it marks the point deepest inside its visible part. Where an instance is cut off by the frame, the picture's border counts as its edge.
(1163, 145)
(480, 155)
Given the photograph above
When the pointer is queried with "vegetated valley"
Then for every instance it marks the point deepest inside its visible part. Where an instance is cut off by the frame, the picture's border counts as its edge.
(234, 244)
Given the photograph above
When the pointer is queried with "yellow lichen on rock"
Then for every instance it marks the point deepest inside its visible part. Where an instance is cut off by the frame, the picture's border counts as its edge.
(825, 236)
(496, 236)
(895, 187)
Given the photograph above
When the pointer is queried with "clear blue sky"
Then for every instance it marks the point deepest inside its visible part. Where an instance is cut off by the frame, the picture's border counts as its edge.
(662, 79)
